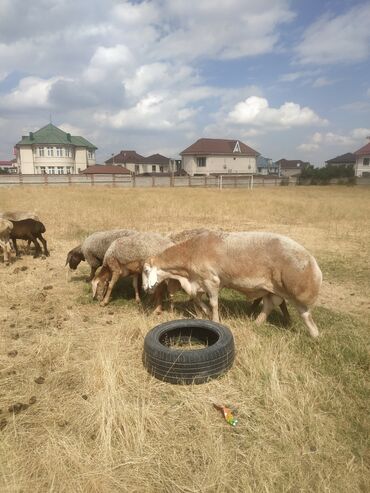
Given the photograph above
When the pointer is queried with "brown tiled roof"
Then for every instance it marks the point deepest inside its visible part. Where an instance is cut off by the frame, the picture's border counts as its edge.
(105, 169)
(218, 146)
(291, 163)
(126, 157)
(364, 151)
(6, 163)
(348, 158)
(157, 159)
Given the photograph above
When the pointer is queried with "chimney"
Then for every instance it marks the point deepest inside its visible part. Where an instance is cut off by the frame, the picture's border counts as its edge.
(69, 137)
(31, 136)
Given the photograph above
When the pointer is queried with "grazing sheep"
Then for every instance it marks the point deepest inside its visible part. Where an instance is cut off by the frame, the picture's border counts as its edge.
(258, 264)
(125, 257)
(93, 249)
(5, 229)
(29, 229)
(19, 216)
(186, 234)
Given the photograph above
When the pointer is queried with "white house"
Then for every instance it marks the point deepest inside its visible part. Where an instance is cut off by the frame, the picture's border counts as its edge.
(362, 165)
(53, 151)
(219, 156)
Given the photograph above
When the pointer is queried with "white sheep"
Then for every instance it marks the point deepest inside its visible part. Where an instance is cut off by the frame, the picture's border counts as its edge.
(258, 264)
(93, 249)
(125, 257)
(5, 230)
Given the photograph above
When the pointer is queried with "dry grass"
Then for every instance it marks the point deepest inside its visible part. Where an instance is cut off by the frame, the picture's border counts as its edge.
(100, 423)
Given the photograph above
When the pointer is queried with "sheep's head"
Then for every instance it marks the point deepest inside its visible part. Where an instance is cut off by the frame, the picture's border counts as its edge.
(74, 257)
(150, 276)
(100, 284)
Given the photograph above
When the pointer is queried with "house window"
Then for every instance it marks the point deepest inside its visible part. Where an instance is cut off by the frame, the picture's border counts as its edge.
(154, 168)
(68, 170)
(50, 151)
(60, 170)
(201, 162)
(59, 152)
(51, 170)
(41, 152)
(366, 161)
(161, 169)
(137, 168)
(42, 170)
(90, 154)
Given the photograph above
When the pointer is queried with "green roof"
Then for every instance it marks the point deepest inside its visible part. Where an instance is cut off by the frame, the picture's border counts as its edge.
(50, 134)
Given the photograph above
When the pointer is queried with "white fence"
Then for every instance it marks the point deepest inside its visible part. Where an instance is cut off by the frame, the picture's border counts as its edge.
(224, 181)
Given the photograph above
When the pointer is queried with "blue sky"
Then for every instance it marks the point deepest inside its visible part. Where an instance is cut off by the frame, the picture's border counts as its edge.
(289, 78)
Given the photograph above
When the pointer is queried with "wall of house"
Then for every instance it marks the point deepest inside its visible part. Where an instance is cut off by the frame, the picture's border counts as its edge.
(81, 159)
(220, 164)
(360, 167)
(25, 160)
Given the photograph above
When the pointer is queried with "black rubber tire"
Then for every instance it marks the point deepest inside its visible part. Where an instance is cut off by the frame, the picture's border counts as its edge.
(194, 365)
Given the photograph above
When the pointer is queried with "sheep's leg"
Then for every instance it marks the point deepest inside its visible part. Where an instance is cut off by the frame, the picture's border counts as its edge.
(28, 247)
(6, 249)
(44, 244)
(135, 282)
(200, 306)
(212, 288)
(267, 307)
(37, 246)
(112, 282)
(308, 320)
(284, 310)
(172, 287)
(254, 307)
(15, 247)
(158, 297)
(94, 268)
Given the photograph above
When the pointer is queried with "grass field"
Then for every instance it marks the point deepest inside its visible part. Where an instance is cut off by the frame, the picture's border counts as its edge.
(98, 422)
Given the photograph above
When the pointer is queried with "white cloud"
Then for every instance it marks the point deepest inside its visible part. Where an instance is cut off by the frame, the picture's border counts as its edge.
(107, 61)
(322, 81)
(256, 111)
(31, 92)
(349, 141)
(337, 39)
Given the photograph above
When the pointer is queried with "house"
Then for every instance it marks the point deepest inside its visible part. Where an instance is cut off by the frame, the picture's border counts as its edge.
(138, 164)
(291, 167)
(131, 160)
(362, 165)
(156, 163)
(219, 156)
(8, 166)
(348, 160)
(53, 151)
(265, 166)
(99, 169)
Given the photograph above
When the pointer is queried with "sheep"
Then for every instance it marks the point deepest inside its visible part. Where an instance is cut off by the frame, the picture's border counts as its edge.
(29, 229)
(19, 216)
(259, 264)
(93, 249)
(5, 229)
(186, 234)
(125, 257)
